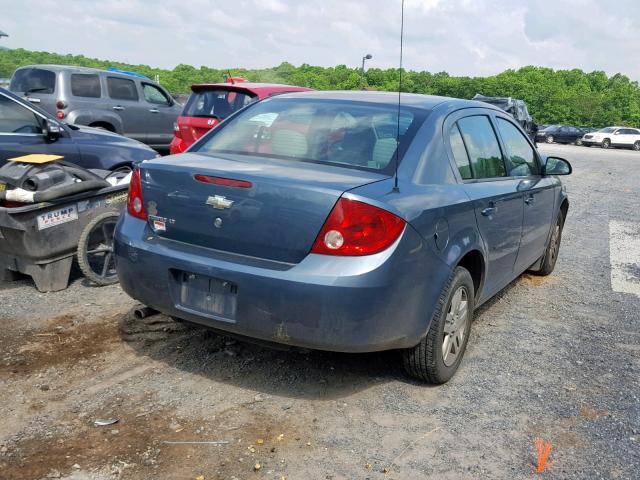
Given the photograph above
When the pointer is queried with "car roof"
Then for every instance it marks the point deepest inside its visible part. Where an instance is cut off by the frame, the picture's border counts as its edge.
(427, 102)
(77, 69)
(251, 86)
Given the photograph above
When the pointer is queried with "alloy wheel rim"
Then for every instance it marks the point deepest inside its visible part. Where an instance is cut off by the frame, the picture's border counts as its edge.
(455, 326)
(554, 243)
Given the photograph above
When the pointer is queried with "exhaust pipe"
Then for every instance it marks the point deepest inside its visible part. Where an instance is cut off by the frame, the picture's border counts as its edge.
(144, 312)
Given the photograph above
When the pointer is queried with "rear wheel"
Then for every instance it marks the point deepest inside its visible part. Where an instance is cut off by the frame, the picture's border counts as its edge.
(95, 249)
(553, 248)
(549, 139)
(437, 357)
(578, 141)
(606, 143)
(636, 146)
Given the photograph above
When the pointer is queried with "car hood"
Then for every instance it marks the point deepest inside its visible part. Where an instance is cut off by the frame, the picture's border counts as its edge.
(80, 132)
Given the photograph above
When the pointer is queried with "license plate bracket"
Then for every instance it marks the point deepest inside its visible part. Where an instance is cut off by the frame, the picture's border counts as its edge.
(203, 295)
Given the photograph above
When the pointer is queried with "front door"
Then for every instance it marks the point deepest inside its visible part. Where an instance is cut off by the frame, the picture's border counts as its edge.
(21, 134)
(162, 113)
(539, 193)
(498, 203)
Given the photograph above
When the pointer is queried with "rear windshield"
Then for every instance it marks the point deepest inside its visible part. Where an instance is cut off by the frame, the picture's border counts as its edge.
(346, 133)
(33, 80)
(216, 103)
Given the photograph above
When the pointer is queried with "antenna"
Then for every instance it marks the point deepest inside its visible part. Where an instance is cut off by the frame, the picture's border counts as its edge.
(395, 181)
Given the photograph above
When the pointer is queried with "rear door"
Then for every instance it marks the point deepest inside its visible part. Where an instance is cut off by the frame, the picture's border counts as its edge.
(498, 202)
(124, 100)
(21, 134)
(37, 85)
(539, 192)
(161, 113)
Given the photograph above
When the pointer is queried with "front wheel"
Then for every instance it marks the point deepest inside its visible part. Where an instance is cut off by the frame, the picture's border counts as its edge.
(636, 146)
(438, 355)
(579, 142)
(549, 139)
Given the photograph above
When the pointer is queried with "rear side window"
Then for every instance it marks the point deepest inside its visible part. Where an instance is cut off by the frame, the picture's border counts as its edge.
(122, 89)
(85, 85)
(14, 118)
(460, 153)
(483, 147)
(33, 80)
(521, 156)
(216, 103)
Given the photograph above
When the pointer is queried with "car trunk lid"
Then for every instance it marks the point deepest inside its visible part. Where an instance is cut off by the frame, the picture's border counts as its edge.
(273, 209)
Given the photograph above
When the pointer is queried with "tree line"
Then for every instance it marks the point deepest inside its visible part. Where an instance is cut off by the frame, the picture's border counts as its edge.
(571, 97)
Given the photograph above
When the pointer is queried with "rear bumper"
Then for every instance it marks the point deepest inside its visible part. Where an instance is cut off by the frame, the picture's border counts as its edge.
(349, 304)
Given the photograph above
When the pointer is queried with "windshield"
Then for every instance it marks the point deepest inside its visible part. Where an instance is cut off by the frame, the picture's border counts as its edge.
(346, 133)
(607, 130)
(217, 103)
(34, 80)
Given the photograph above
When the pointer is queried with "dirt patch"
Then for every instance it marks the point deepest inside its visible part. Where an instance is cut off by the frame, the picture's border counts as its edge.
(592, 414)
(144, 443)
(536, 280)
(66, 339)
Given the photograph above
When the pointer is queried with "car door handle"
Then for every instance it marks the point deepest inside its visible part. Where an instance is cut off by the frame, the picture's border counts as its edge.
(153, 110)
(487, 212)
(529, 199)
(118, 107)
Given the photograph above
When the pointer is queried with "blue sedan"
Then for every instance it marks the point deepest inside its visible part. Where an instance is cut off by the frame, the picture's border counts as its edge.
(27, 129)
(339, 221)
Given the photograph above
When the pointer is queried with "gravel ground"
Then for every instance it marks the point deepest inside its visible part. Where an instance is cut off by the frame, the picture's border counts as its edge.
(554, 358)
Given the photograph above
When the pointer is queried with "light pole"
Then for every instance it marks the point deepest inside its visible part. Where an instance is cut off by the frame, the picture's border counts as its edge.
(368, 56)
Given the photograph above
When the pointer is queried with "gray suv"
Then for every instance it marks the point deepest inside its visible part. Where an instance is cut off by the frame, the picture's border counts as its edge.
(122, 102)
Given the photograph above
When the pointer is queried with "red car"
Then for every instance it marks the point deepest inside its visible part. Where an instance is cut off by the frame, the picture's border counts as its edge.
(210, 103)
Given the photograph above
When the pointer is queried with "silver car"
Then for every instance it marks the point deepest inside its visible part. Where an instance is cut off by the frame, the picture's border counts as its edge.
(123, 102)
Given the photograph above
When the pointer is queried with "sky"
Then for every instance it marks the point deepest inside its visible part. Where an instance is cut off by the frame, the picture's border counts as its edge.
(462, 37)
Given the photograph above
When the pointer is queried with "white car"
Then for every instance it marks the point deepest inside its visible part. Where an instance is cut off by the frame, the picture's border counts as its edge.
(624, 137)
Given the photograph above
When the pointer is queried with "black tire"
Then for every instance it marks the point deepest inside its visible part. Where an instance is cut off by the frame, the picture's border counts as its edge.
(636, 146)
(549, 139)
(606, 143)
(425, 361)
(578, 142)
(553, 248)
(97, 239)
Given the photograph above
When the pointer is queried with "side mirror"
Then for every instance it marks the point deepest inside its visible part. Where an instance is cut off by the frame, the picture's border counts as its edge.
(617, 132)
(51, 130)
(557, 166)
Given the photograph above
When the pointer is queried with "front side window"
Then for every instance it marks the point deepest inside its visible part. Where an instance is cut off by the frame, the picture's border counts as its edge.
(216, 103)
(339, 132)
(33, 80)
(483, 147)
(521, 156)
(14, 118)
(83, 85)
(153, 94)
(122, 89)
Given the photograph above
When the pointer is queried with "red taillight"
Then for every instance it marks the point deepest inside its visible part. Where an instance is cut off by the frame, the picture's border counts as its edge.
(135, 202)
(355, 228)
(60, 114)
(225, 182)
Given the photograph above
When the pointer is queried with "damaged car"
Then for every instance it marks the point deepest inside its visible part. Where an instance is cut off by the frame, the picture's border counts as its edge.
(342, 221)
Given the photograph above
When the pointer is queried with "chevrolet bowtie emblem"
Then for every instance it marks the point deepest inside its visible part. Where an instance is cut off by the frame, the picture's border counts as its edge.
(219, 202)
